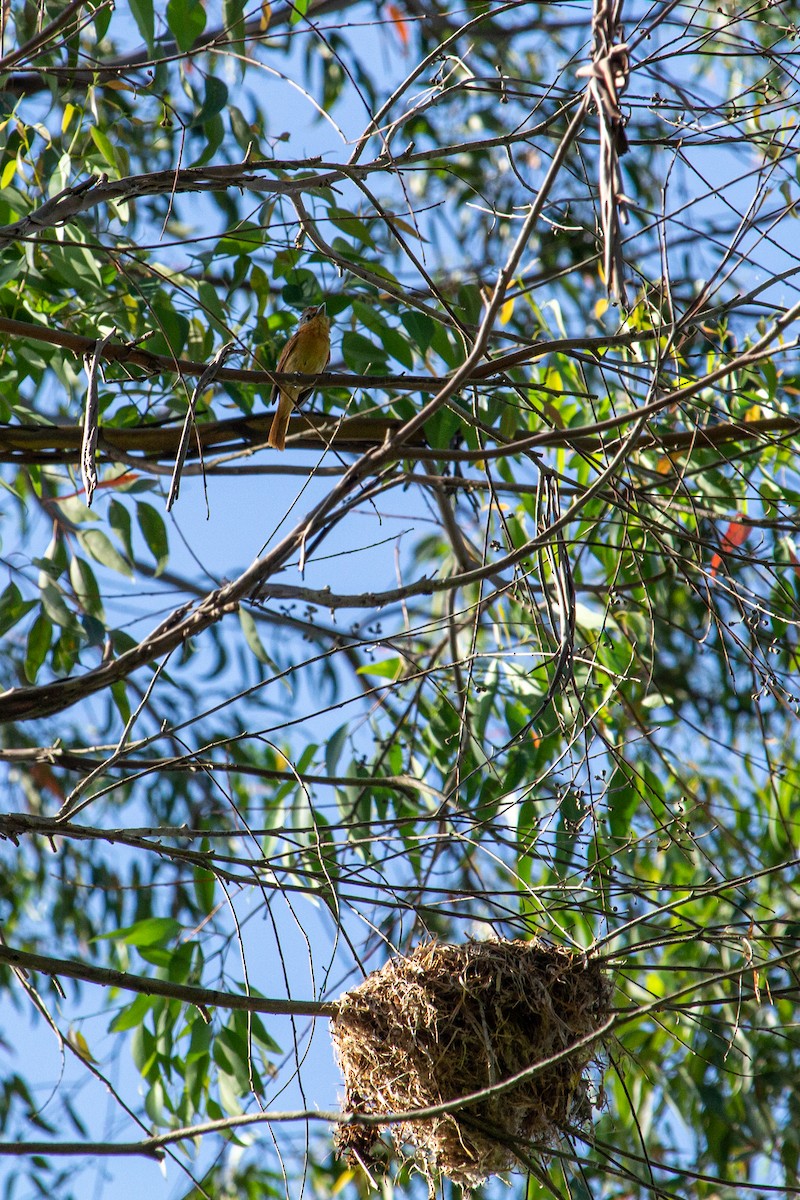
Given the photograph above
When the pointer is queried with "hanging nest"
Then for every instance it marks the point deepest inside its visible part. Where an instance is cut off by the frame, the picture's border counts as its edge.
(450, 1020)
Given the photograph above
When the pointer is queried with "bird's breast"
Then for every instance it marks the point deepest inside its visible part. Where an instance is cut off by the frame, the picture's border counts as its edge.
(310, 359)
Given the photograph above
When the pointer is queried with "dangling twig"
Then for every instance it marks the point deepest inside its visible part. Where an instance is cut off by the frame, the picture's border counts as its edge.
(205, 380)
(608, 77)
(90, 418)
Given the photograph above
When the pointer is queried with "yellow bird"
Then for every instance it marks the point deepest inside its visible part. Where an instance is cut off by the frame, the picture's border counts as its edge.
(308, 351)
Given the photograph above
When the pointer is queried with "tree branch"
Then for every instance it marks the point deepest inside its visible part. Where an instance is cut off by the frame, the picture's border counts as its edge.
(201, 997)
(249, 176)
(29, 703)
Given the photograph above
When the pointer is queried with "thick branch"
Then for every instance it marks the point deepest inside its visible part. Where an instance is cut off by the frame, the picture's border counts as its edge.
(13, 825)
(493, 371)
(29, 703)
(157, 443)
(199, 996)
(249, 176)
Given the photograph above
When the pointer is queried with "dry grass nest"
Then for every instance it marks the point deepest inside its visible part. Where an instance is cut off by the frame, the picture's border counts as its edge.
(448, 1021)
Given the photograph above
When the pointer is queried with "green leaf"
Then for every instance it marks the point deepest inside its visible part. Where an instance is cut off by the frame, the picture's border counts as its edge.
(388, 668)
(186, 20)
(397, 346)
(119, 518)
(39, 638)
(441, 428)
(259, 1032)
(214, 130)
(243, 239)
(198, 1063)
(84, 584)
(102, 19)
(13, 203)
(119, 694)
(172, 326)
(154, 532)
(134, 1013)
(229, 1092)
(420, 329)
(351, 225)
(623, 800)
(333, 750)
(158, 956)
(65, 652)
(568, 832)
(98, 547)
(251, 637)
(180, 962)
(205, 886)
(155, 1101)
(106, 148)
(152, 931)
(143, 1048)
(13, 608)
(233, 13)
(230, 1053)
(214, 101)
(144, 17)
(200, 1041)
(301, 290)
(54, 606)
(362, 355)
(213, 307)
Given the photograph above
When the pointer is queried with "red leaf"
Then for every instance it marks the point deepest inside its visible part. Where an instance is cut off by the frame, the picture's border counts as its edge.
(399, 22)
(733, 536)
(117, 481)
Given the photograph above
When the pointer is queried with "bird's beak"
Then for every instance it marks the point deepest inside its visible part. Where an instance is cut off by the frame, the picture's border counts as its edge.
(320, 308)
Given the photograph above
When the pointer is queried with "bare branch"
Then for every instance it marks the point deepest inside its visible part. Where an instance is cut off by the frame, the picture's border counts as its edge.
(199, 996)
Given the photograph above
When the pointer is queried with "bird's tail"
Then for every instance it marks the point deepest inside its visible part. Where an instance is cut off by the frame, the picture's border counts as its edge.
(280, 423)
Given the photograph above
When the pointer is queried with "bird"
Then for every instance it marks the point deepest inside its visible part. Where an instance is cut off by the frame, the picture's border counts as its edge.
(308, 351)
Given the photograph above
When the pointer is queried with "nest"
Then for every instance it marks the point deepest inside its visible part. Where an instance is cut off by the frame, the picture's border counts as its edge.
(451, 1020)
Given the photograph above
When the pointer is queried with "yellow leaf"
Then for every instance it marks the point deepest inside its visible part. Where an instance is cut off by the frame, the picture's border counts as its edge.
(753, 413)
(664, 464)
(601, 307)
(341, 1183)
(266, 16)
(506, 311)
(9, 171)
(80, 1045)
(69, 112)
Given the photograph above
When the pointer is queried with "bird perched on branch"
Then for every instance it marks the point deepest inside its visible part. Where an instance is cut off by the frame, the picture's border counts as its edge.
(307, 351)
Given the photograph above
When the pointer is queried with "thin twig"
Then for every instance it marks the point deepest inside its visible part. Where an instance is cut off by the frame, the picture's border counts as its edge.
(206, 379)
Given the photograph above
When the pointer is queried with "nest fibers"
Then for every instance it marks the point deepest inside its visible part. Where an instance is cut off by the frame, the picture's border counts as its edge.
(451, 1020)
